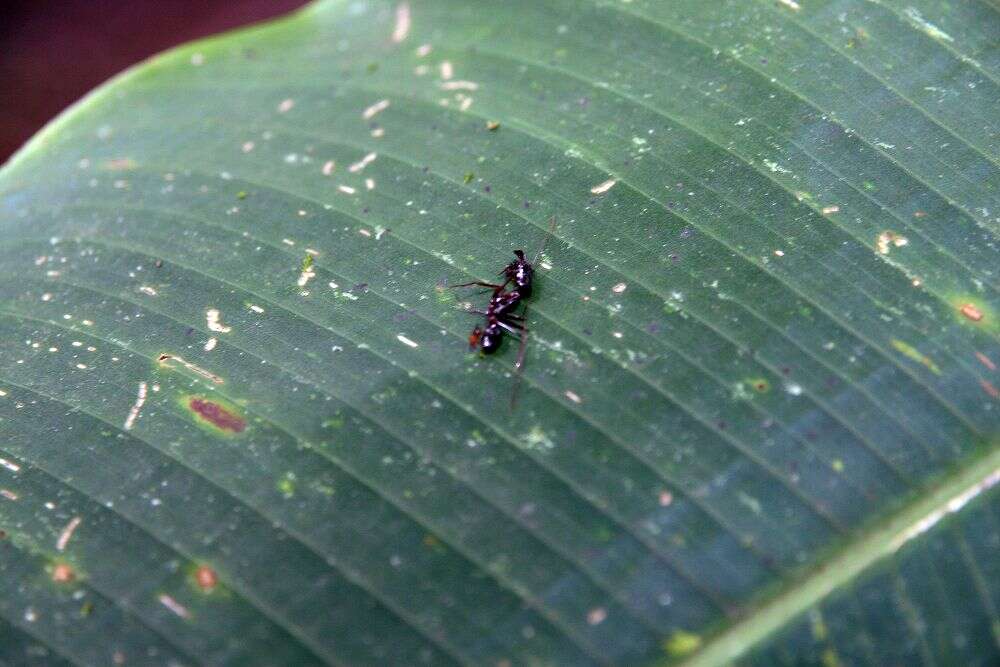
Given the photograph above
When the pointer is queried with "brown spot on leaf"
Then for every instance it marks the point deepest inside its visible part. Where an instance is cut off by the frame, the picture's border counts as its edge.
(217, 415)
(990, 389)
(206, 578)
(986, 361)
(971, 312)
(63, 573)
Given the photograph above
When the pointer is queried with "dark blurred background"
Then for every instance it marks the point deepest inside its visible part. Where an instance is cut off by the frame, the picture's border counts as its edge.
(52, 52)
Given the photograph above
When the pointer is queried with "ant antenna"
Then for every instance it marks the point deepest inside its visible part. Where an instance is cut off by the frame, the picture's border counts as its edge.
(519, 364)
(552, 228)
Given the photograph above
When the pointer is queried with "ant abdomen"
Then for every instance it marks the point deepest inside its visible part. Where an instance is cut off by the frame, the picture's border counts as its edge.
(490, 342)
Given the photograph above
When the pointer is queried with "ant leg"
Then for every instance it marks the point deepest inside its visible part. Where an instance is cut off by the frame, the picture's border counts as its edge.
(480, 283)
(512, 328)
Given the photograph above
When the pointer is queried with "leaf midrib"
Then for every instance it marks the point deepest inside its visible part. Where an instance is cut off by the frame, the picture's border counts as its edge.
(846, 565)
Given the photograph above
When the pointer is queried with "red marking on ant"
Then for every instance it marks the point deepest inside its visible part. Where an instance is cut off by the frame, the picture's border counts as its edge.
(499, 313)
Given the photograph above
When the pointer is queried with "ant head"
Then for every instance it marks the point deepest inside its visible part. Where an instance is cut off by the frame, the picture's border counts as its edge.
(475, 337)
(519, 254)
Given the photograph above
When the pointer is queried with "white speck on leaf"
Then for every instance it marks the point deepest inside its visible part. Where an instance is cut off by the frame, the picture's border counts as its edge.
(213, 319)
(362, 163)
(405, 341)
(932, 30)
(537, 439)
(376, 108)
(601, 188)
(67, 533)
(174, 606)
(211, 343)
(133, 413)
(286, 106)
(402, 28)
(459, 85)
(308, 273)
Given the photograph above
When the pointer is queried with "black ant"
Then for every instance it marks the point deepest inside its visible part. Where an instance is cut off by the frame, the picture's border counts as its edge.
(499, 313)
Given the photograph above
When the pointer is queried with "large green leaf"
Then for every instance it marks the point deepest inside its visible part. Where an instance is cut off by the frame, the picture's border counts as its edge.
(759, 412)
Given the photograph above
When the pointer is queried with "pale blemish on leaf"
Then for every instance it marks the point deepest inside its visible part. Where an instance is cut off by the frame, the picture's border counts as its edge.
(174, 606)
(406, 341)
(67, 533)
(750, 502)
(682, 643)
(286, 105)
(166, 360)
(929, 28)
(986, 361)
(287, 484)
(373, 110)
(362, 163)
(308, 272)
(913, 353)
(887, 239)
(133, 412)
(601, 188)
(537, 440)
(213, 319)
(459, 85)
(402, 27)
(775, 167)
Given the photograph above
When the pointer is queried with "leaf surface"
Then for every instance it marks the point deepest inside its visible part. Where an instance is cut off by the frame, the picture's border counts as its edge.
(240, 425)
